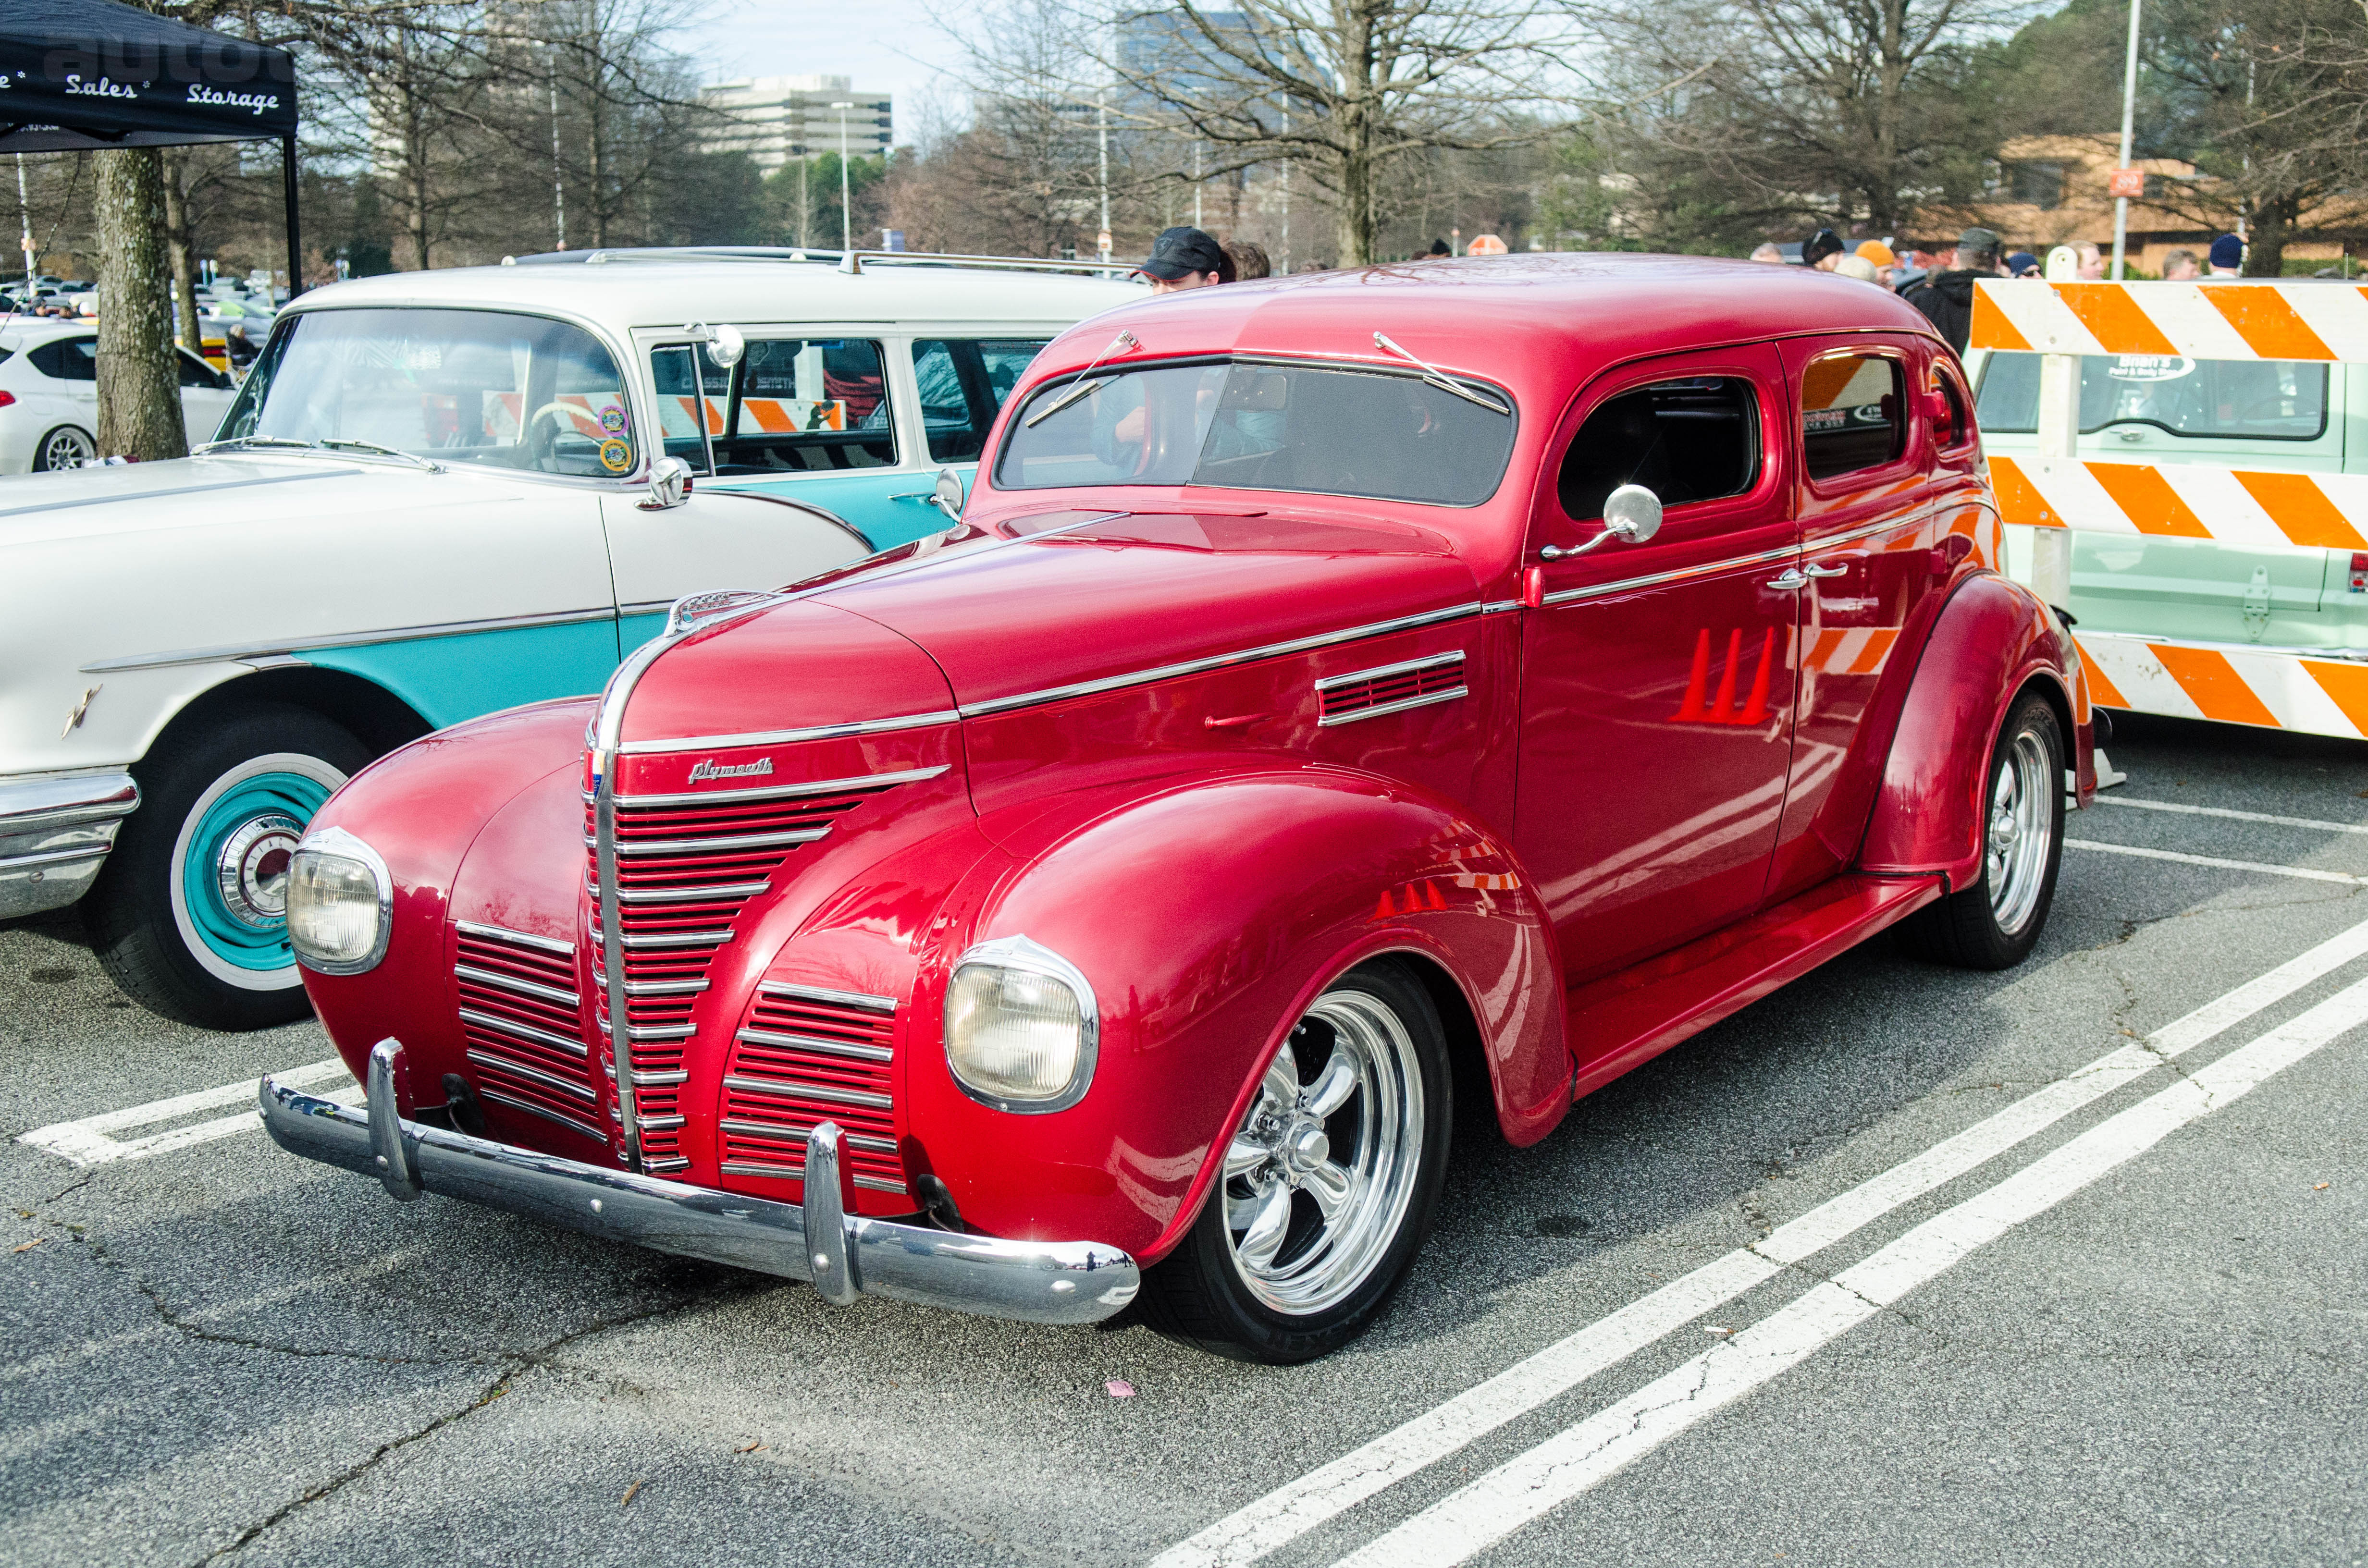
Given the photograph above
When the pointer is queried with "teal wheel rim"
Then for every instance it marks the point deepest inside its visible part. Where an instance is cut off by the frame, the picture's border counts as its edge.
(244, 940)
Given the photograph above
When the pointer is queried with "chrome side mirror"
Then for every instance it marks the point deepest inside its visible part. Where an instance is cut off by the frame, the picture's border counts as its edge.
(947, 494)
(669, 485)
(725, 344)
(1632, 515)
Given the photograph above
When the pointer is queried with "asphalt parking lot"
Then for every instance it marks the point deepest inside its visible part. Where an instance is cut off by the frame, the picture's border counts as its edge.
(1900, 1266)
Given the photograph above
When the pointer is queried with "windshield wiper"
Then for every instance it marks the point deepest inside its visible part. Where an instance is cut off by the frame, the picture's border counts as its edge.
(1081, 386)
(346, 443)
(237, 441)
(327, 443)
(1442, 380)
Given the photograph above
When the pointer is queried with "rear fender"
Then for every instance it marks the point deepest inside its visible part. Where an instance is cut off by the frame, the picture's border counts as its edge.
(1994, 640)
(1208, 914)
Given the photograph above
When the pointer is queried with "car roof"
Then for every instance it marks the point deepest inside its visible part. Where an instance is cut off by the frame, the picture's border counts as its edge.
(624, 295)
(1526, 321)
(30, 332)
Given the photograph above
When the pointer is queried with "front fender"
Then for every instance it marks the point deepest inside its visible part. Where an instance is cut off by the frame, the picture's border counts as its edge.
(1994, 639)
(1208, 914)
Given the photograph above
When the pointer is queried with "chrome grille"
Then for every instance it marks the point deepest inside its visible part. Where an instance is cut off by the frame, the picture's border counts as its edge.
(686, 864)
(523, 1023)
(806, 1055)
(1391, 688)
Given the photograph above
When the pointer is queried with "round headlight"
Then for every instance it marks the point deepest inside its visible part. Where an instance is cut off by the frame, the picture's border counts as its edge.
(341, 903)
(1020, 1026)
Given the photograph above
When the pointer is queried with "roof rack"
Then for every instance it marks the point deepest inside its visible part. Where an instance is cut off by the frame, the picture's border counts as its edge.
(852, 261)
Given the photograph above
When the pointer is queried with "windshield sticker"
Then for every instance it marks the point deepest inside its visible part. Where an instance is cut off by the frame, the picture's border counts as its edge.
(613, 420)
(2150, 367)
(615, 455)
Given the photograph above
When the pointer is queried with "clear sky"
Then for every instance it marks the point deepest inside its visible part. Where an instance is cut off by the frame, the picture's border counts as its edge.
(883, 44)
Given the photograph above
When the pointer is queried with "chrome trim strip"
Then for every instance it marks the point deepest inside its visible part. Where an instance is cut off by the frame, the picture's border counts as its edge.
(652, 1033)
(786, 1134)
(664, 1123)
(633, 849)
(37, 804)
(501, 1064)
(698, 893)
(671, 1162)
(1333, 683)
(1867, 530)
(657, 987)
(1049, 1282)
(511, 983)
(798, 1173)
(801, 1090)
(785, 791)
(680, 939)
(56, 857)
(851, 1049)
(884, 1005)
(656, 1080)
(178, 490)
(232, 652)
(500, 1025)
(504, 934)
(1215, 662)
(788, 737)
(543, 1111)
(1684, 573)
(1400, 706)
(1497, 607)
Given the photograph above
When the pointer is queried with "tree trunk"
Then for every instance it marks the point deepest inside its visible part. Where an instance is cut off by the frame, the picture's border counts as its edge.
(179, 242)
(139, 385)
(2265, 241)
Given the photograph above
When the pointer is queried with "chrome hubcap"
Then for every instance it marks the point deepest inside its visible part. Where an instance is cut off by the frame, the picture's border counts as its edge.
(1318, 1178)
(252, 868)
(2021, 826)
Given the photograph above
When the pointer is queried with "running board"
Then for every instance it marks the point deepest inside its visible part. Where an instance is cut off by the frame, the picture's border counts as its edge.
(1624, 1020)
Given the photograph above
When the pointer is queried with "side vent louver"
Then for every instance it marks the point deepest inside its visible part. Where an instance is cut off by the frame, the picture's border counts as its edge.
(1391, 688)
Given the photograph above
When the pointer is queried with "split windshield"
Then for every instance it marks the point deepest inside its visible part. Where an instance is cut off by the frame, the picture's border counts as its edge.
(481, 387)
(1260, 427)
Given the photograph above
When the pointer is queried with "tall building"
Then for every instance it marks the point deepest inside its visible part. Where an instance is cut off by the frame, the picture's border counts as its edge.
(776, 119)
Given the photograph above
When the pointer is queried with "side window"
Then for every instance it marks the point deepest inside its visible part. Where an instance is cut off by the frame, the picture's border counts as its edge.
(797, 404)
(691, 393)
(962, 384)
(1852, 414)
(1694, 440)
(67, 359)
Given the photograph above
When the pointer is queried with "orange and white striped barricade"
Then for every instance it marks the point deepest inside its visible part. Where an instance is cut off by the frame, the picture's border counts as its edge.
(2056, 491)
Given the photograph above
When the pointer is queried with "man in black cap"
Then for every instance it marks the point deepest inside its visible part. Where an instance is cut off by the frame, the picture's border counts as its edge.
(1184, 257)
(1947, 298)
(1822, 249)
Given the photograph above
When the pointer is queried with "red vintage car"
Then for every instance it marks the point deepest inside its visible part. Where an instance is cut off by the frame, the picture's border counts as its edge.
(1340, 700)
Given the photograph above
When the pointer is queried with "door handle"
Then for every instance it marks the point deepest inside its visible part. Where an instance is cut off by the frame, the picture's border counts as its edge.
(1790, 579)
(1828, 571)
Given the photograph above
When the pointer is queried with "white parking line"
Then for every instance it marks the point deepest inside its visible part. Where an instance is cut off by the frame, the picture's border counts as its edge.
(1526, 1488)
(2230, 814)
(85, 1142)
(1291, 1510)
(2303, 871)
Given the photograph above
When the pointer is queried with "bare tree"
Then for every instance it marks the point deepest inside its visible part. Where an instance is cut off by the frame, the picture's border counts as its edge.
(139, 386)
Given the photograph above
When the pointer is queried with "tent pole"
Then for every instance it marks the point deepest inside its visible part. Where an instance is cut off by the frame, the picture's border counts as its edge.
(295, 244)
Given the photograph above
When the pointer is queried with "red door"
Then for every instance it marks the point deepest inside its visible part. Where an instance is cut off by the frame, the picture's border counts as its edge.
(1656, 687)
(1865, 452)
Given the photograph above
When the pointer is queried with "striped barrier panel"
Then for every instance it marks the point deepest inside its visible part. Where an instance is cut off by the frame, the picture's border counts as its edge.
(2246, 507)
(2266, 688)
(2232, 320)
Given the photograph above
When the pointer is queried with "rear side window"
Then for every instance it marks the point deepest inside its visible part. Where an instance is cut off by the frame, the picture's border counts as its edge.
(791, 406)
(1954, 429)
(1852, 414)
(1694, 440)
(962, 384)
(2259, 399)
(67, 359)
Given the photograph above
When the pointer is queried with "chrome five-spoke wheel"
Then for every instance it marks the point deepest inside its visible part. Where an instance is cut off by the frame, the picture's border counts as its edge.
(1995, 922)
(2021, 815)
(1329, 1183)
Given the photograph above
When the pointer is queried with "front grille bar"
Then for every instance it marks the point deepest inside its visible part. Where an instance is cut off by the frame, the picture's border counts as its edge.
(806, 1089)
(523, 1031)
(511, 983)
(854, 1050)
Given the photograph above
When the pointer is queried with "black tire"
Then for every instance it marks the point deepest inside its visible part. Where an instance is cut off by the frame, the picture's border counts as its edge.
(1201, 1293)
(263, 767)
(1994, 923)
(67, 445)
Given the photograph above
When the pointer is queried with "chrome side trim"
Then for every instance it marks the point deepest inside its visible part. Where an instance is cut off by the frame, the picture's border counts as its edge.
(700, 893)
(1215, 662)
(57, 856)
(884, 1005)
(1865, 530)
(851, 1049)
(1497, 607)
(640, 847)
(504, 934)
(651, 1031)
(38, 804)
(511, 983)
(657, 987)
(500, 1025)
(1333, 683)
(237, 651)
(680, 939)
(1400, 706)
(782, 1133)
(801, 1090)
(1048, 1282)
(826, 515)
(785, 791)
(549, 1081)
(1682, 574)
(788, 737)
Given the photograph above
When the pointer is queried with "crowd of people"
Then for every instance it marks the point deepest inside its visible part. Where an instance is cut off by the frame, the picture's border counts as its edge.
(1941, 286)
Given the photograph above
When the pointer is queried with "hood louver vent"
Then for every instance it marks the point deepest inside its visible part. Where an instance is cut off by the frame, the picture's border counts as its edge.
(1391, 688)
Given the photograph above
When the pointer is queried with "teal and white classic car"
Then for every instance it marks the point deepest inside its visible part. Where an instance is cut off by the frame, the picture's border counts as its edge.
(439, 495)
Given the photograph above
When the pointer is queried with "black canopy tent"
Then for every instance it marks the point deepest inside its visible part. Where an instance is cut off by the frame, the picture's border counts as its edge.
(78, 76)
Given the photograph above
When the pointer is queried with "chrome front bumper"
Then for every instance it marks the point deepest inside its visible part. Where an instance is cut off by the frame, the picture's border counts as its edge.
(843, 1256)
(55, 832)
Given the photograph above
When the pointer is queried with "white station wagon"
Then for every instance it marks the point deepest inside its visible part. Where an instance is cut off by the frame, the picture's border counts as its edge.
(439, 495)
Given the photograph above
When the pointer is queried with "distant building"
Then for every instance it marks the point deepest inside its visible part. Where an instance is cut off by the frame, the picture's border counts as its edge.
(776, 119)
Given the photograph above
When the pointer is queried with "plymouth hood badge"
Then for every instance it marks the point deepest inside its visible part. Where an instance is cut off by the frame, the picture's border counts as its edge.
(708, 767)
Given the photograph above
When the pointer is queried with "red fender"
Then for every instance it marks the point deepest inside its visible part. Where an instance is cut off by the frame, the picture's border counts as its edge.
(1208, 914)
(1994, 638)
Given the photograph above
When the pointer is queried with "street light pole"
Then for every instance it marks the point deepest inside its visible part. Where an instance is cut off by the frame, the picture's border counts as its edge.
(2129, 121)
(1101, 126)
(845, 212)
(558, 185)
(1196, 183)
(25, 219)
